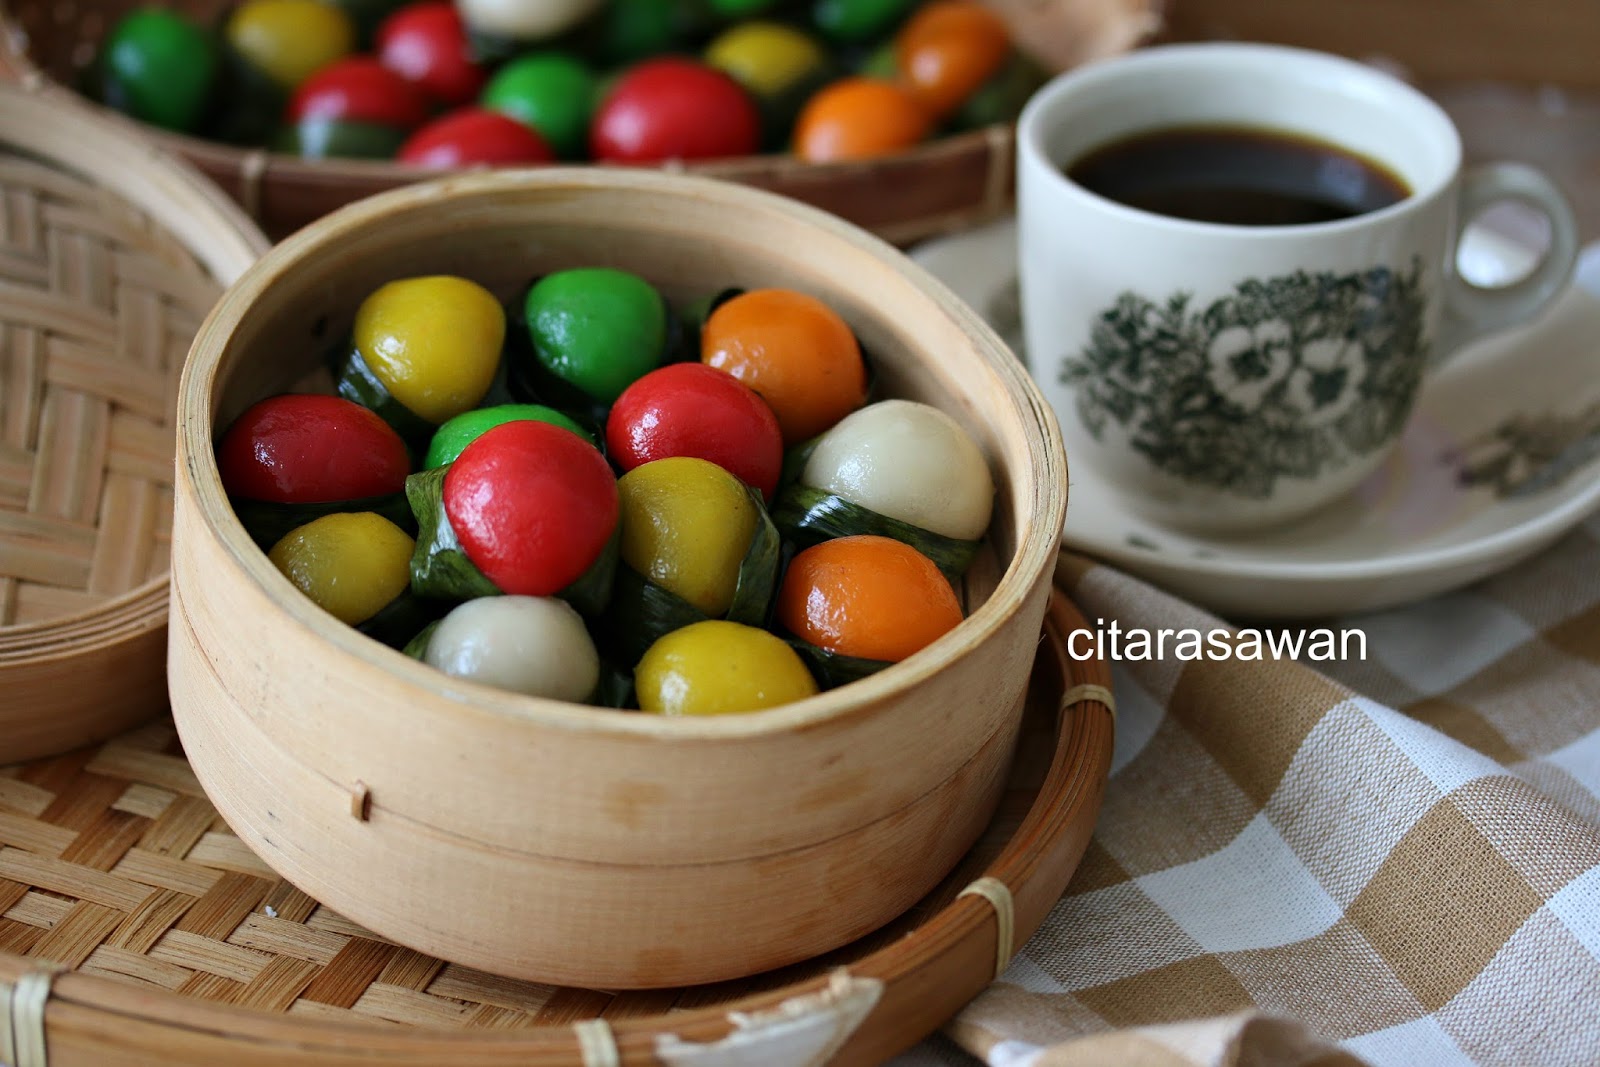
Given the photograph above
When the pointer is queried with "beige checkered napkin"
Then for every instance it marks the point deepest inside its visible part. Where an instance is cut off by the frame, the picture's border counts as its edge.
(1286, 872)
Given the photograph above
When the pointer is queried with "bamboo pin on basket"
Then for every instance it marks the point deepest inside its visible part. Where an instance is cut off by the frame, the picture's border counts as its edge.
(110, 255)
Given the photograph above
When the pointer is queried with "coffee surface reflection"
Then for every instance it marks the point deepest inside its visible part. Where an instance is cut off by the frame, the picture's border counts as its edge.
(1240, 176)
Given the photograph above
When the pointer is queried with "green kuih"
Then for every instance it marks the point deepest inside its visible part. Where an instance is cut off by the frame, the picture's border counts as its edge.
(596, 329)
(158, 67)
(551, 92)
(461, 431)
(441, 569)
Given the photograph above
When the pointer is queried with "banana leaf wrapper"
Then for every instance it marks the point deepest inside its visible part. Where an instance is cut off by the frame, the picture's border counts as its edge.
(807, 516)
(417, 647)
(831, 669)
(354, 380)
(398, 623)
(642, 612)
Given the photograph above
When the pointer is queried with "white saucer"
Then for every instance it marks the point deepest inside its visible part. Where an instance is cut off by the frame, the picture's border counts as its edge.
(1522, 410)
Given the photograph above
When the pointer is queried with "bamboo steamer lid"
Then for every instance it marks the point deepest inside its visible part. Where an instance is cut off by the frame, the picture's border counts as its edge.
(111, 254)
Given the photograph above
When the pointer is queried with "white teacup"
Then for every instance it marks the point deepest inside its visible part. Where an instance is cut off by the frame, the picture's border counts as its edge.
(1227, 377)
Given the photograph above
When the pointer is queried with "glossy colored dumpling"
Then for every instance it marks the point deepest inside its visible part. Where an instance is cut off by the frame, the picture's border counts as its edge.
(434, 342)
(687, 525)
(351, 564)
(525, 20)
(688, 409)
(910, 462)
(426, 44)
(532, 645)
(158, 66)
(868, 597)
(311, 449)
(467, 427)
(533, 506)
(719, 668)
(596, 328)
(290, 40)
(792, 349)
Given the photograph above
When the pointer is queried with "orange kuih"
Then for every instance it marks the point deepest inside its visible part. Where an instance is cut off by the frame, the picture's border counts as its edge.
(859, 118)
(867, 596)
(948, 50)
(792, 349)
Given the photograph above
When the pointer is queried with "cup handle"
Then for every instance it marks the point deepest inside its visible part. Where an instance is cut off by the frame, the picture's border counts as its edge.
(1472, 311)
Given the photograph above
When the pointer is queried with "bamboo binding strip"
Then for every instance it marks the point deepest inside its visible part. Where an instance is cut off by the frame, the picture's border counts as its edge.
(184, 950)
(22, 1037)
(998, 894)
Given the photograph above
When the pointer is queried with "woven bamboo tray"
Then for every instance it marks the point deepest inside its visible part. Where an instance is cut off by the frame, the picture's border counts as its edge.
(186, 950)
(935, 188)
(110, 255)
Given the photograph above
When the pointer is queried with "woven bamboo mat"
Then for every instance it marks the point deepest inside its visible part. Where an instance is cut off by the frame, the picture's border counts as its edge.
(97, 308)
(113, 863)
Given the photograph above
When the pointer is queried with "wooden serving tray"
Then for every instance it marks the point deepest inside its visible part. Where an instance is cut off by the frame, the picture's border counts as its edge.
(172, 944)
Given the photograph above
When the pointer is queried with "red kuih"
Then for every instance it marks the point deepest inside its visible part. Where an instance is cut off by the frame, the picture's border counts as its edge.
(311, 449)
(471, 136)
(674, 108)
(359, 89)
(533, 506)
(426, 44)
(689, 409)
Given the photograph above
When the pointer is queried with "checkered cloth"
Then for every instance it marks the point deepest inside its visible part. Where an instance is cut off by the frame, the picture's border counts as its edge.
(1395, 865)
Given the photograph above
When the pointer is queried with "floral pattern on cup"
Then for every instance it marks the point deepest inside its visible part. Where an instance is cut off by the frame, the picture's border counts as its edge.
(1529, 454)
(1286, 377)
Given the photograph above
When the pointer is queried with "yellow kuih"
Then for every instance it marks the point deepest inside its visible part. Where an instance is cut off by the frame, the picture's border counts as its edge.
(719, 668)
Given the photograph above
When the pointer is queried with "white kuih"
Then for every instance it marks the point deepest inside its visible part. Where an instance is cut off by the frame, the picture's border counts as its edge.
(524, 20)
(910, 462)
(528, 644)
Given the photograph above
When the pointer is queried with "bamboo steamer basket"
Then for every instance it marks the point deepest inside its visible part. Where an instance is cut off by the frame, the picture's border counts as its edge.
(161, 941)
(934, 188)
(550, 841)
(110, 255)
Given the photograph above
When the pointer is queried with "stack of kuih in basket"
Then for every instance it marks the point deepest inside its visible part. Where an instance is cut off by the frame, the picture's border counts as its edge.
(934, 187)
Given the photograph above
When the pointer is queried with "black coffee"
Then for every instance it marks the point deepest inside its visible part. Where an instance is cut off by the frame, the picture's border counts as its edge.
(1241, 176)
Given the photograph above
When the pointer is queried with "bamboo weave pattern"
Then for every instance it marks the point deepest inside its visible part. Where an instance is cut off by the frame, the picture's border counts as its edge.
(113, 863)
(97, 309)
